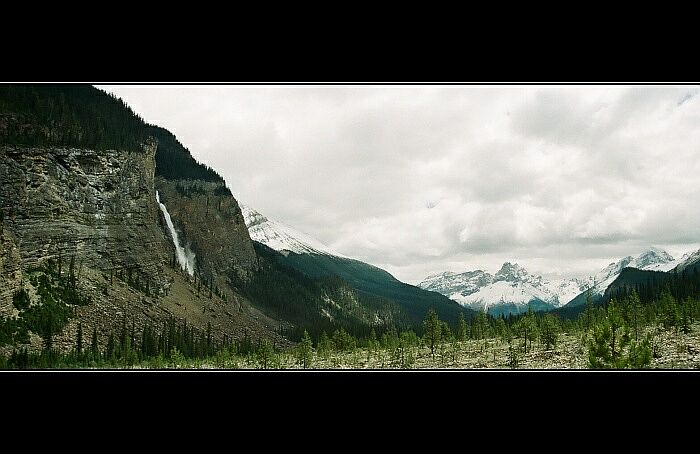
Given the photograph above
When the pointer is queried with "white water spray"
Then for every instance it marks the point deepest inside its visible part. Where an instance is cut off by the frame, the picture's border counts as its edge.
(184, 256)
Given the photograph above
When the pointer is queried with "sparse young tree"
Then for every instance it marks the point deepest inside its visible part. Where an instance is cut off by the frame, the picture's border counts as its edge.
(525, 328)
(265, 353)
(610, 336)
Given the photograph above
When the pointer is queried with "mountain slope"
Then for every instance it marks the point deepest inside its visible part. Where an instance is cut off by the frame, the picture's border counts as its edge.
(314, 259)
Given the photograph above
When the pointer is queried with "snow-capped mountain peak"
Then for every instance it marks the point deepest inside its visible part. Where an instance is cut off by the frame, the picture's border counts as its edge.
(652, 258)
(281, 237)
(512, 272)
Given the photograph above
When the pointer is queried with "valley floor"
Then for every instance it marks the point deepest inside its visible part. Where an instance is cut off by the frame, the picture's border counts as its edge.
(673, 350)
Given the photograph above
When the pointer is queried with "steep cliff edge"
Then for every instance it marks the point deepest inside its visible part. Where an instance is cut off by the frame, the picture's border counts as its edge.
(98, 207)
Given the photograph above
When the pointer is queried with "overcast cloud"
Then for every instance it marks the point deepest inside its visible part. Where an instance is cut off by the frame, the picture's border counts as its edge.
(423, 179)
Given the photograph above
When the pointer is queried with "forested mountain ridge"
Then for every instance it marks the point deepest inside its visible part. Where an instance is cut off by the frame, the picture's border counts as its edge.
(316, 260)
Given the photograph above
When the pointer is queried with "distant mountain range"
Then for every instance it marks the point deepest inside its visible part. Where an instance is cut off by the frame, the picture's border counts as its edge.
(513, 289)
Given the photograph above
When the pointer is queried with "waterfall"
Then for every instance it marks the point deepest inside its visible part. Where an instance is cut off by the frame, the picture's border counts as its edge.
(184, 256)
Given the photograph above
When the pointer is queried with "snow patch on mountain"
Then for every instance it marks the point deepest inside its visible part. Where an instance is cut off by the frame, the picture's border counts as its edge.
(687, 259)
(511, 285)
(281, 237)
(449, 283)
(501, 293)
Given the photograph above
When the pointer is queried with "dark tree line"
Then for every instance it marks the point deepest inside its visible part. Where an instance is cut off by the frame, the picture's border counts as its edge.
(82, 116)
(174, 161)
(68, 115)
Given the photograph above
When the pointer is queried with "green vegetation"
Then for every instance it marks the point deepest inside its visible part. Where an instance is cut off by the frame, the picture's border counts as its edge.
(609, 343)
(58, 295)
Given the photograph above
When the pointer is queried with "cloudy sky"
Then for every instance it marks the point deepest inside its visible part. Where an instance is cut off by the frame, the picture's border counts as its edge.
(423, 179)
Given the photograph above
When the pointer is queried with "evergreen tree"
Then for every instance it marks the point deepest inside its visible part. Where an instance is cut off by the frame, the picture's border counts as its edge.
(48, 333)
(502, 330)
(265, 353)
(686, 316)
(617, 322)
(305, 350)
(209, 344)
(589, 308)
(610, 336)
(526, 327)
(481, 325)
(433, 330)
(636, 313)
(461, 328)
(549, 331)
(640, 353)
(325, 345)
(669, 308)
(110, 352)
(71, 271)
(93, 343)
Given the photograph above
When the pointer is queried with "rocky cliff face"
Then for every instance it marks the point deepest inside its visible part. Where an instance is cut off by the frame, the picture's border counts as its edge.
(10, 270)
(96, 206)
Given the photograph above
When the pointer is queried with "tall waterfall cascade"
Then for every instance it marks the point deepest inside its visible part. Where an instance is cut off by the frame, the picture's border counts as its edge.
(185, 257)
